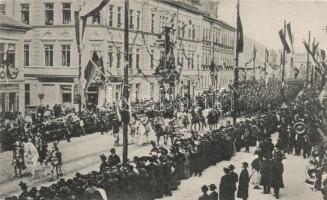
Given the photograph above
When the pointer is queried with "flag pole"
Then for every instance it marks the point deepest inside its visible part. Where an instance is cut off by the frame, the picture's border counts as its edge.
(308, 61)
(125, 85)
(314, 55)
(235, 101)
(283, 69)
(78, 42)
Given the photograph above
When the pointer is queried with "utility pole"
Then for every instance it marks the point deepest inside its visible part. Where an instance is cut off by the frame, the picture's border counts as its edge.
(283, 69)
(125, 119)
(308, 61)
(235, 100)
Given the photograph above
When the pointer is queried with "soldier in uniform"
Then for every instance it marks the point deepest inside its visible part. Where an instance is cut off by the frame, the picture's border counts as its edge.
(18, 158)
(56, 161)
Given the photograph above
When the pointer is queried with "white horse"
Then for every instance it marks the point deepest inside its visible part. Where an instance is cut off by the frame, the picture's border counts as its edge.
(31, 155)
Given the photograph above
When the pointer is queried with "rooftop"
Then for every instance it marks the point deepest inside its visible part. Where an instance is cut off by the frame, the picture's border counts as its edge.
(7, 22)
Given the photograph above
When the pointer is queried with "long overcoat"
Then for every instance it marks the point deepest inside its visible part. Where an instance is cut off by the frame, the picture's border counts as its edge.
(243, 184)
(266, 172)
(277, 174)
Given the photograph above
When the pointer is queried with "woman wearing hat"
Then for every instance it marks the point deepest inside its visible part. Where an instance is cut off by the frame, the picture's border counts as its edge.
(204, 196)
(226, 191)
(243, 186)
(213, 195)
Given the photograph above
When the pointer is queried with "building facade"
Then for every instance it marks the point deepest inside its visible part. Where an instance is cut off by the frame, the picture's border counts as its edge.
(51, 73)
(12, 50)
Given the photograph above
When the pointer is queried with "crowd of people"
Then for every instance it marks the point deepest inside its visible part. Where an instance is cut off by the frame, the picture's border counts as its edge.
(159, 173)
(299, 126)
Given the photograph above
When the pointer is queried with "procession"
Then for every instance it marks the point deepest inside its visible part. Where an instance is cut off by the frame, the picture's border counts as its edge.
(162, 99)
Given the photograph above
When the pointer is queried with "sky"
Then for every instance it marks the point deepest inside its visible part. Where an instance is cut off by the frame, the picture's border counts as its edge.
(262, 19)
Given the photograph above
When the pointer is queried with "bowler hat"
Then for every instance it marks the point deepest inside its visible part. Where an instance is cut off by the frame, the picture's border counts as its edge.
(204, 188)
(212, 186)
(245, 164)
(231, 167)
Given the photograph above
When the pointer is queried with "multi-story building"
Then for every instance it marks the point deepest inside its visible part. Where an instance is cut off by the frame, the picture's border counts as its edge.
(52, 71)
(218, 49)
(13, 91)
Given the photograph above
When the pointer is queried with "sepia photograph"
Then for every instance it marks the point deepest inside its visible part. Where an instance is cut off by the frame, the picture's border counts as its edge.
(163, 99)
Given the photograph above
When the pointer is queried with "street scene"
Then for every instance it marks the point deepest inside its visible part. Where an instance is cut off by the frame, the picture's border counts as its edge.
(163, 99)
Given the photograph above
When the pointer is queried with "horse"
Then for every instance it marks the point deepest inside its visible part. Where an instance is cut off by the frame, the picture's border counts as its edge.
(165, 130)
(213, 118)
(32, 156)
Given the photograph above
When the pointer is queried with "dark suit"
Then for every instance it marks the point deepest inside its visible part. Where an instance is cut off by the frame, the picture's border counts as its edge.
(226, 191)
(213, 195)
(113, 160)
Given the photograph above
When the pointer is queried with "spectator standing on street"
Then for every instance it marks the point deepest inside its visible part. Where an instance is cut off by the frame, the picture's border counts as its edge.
(243, 186)
(234, 178)
(113, 159)
(104, 163)
(204, 196)
(277, 176)
(225, 187)
(266, 175)
(213, 195)
(256, 175)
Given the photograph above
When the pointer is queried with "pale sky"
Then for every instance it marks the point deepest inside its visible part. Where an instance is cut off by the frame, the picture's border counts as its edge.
(262, 19)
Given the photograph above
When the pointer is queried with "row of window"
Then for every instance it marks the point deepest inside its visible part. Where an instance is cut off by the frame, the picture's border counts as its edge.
(48, 55)
(218, 37)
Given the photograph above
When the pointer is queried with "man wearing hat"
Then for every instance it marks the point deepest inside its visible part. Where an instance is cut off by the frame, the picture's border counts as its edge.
(243, 186)
(234, 178)
(113, 159)
(104, 163)
(225, 187)
(24, 194)
(213, 195)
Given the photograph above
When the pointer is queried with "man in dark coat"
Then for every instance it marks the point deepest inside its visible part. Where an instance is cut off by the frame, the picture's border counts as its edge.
(104, 163)
(243, 186)
(266, 175)
(225, 188)
(234, 178)
(277, 178)
(213, 195)
(113, 159)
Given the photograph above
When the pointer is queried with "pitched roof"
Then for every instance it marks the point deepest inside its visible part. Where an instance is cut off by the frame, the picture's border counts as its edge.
(7, 22)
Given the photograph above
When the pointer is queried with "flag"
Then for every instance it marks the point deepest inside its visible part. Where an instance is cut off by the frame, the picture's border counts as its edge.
(254, 53)
(284, 42)
(102, 71)
(323, 54)
(267, 55)
(239, 36)
(90, 69)
(290, 35)
(91, 11)
(315, 48)
(89, 73)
